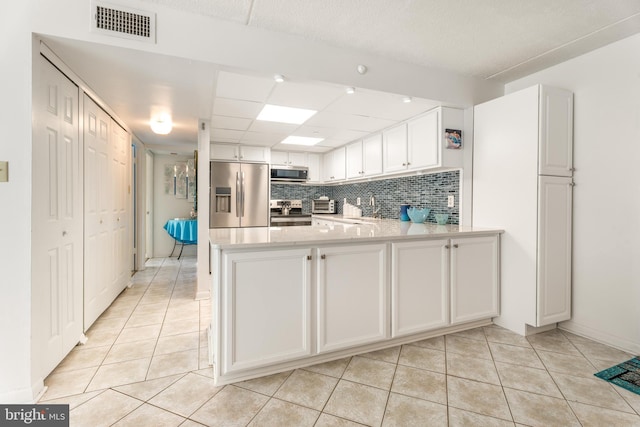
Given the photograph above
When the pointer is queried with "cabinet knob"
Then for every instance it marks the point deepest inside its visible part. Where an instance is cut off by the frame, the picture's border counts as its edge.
(404, 164)
(447, 246)
(64, 233)
(308, 257)
(572, 184)
(455, 246)
(323, 256)
(408, 163)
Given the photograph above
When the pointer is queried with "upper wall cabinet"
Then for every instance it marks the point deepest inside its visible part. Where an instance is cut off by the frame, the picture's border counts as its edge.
(289, 158)
(315, 167)
(555, 146)
(421, 143)
(364, 158)
(240, 153)
(334, 164)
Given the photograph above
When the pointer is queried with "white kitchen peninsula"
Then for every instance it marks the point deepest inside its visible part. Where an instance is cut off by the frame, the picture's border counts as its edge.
(289, 297)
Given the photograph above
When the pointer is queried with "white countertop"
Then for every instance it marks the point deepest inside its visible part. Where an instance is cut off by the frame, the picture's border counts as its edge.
(374, 230)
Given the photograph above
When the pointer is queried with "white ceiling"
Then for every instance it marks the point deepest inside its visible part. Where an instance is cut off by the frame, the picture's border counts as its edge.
(500, 40)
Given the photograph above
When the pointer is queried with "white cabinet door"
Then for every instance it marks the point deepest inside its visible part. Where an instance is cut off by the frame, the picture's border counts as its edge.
(279, 158)
(265, 324)
(354, 167)
(423, 141)
(255, 154)
(298, 159)
(474, 278)
(352, 299)
(419, 286)
(394, 146)
(327, 170)
(556, 132)
(315, 167)
(224, 152)
(339, 160)
(372, 155)
(554, 250)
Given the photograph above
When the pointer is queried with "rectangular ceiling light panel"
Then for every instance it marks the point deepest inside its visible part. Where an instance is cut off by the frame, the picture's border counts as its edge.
(123, 22)
(301, 140)
(277, 113)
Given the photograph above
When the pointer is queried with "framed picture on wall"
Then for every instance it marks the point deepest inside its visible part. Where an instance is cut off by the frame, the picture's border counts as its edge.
(453, 138)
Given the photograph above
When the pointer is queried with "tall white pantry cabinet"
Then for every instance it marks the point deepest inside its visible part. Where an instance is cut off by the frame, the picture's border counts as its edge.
(522, 182)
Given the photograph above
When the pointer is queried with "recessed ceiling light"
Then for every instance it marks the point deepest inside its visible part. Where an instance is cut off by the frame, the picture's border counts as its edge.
(350, 90)
(161, 124)
(277, 113)
(279, 78)
(301, 140)
(406, 99)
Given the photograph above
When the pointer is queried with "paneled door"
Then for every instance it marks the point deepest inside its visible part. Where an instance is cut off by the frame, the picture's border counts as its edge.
(57, 219)
(108, 240)
(98, 200)
(120, 209)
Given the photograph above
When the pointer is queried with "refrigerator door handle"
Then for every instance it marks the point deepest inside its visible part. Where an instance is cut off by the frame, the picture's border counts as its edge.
(242, 193)
(238, 194)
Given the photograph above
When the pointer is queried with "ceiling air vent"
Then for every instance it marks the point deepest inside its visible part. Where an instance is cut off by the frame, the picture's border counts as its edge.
(123, 22)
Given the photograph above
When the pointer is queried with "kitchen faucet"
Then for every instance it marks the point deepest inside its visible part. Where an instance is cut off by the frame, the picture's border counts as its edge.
(372, 202)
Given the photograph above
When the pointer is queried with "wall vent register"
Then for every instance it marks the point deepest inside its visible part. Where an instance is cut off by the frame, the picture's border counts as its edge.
(123, 22)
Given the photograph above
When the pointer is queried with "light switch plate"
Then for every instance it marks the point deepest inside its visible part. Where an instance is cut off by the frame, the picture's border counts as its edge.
(4, 171)
(451, 201)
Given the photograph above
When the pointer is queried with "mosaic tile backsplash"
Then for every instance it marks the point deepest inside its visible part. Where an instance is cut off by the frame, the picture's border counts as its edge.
(422, 191)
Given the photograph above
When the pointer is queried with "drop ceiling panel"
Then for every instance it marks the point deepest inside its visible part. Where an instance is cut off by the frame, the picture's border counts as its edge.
(272, 127)
(243, 87)
(309, 96)
(259, 138)
(236, 108)
(381, 105)
(348, 121)
(226, 135)
(223, 122)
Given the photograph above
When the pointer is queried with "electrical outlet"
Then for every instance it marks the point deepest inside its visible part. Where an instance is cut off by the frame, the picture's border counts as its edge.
(358, 201)
(451, 200)
(4, 171)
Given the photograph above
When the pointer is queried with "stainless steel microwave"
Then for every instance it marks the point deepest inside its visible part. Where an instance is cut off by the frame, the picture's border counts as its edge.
(320, 206)
(290, 174)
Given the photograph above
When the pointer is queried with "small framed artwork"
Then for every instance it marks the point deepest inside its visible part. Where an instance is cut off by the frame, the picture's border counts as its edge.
(453, 138)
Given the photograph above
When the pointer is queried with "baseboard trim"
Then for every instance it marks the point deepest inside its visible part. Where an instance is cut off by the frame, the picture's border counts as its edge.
(600, 336)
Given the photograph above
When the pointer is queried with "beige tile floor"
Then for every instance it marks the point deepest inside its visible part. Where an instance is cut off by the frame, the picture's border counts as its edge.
(145, 364)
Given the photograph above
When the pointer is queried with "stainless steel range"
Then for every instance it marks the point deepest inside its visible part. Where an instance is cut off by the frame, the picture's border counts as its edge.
(285, 213)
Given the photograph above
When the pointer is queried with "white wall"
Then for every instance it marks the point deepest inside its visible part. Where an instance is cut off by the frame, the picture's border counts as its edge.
(167, 206)
(15, 205)
(606, 254)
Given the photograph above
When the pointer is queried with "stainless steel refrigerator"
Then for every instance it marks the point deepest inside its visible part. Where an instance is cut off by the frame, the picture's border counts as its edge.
(239, 195)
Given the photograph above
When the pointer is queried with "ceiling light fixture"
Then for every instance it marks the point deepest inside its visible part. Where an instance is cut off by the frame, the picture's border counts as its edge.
(279, 78)
(406, 99)
(362, 69)
(161, 124)
(277, 113)
(350, 90)
(301, 140)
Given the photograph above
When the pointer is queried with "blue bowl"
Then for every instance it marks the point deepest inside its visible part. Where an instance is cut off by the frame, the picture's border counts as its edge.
(418, 215)
(442, 219)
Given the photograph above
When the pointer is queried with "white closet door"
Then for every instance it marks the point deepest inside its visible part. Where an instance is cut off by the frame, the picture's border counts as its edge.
(56, 219)
(121, 211)
(98, 201)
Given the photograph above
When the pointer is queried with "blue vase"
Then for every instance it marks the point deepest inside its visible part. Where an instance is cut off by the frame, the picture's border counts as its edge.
(404, 216)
